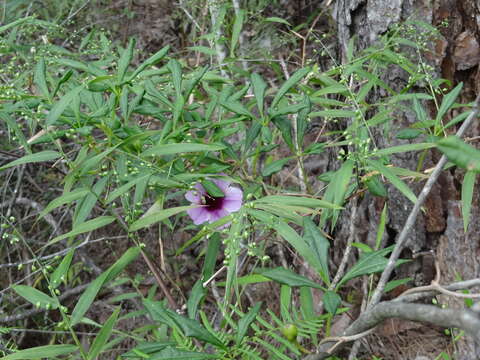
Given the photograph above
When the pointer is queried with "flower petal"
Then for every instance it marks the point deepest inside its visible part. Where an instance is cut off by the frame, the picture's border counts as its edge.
(233, 193)
(231, 205)
(217, 214)
(222, 184)
(193, 196)
(199, 215)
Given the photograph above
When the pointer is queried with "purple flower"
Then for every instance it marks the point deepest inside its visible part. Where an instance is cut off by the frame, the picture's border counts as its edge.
(213, 208)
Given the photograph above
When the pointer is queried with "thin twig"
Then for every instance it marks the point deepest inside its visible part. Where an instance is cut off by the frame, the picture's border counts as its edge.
(160, 282)
(412, 217)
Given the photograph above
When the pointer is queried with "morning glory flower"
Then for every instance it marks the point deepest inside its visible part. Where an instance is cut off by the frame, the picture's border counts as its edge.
(213, 208)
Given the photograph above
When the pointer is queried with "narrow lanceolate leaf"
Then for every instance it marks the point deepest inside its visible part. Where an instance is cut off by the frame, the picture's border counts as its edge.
(298, 243)
(467, 196)
(404, 148)
(448, 101)
(47, 352)
(152, 60)
(158, 216)
(395, 181)
(88, 296)
(288, 277)
(319, 245)
(237, 28)
(292, 81)
(103, 335)
(170, 149)
(125, 60)
(245, 321)
(66, 198)
(460, 153)
(40, 78)
(175, 354)
(331, 301)
(298, 201)
(369, 263)
(189, 327)
(36, 297)
(87, 226)
(61, 270)
(259, 87)
(176, 71)
(33, 158)
(59, 107)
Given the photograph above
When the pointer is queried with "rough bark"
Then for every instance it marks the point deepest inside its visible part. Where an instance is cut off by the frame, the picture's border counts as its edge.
(456, 58)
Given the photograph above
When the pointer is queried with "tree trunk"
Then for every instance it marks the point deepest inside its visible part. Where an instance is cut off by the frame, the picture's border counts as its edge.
(456, 58)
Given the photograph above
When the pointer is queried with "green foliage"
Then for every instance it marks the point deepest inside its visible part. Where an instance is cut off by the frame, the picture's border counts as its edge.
(133, 137)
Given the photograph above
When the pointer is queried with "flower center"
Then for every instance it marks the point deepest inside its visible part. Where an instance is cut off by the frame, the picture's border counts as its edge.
(213, 203)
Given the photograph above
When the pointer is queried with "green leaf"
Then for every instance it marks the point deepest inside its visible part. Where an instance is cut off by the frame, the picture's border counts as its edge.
(395, 283)
(302, 121)
(175, 354)
(196, 296)
(237, 28)
(259, 87)
(190, 328)
(331, 301)
(15, 23)
(176, 71)
(277, 20)
(292, 81)
(381, 227)
(397, 182)
(87, 226)
(125, 60)
(306, 303)
(407, 134)
(46, 155)
(62, 104)
(39, 78)
(203, 49)
(66, 198)
(319, 245)
(419, 110)
(448, 101)
(36, 297)
(158, 216)
(252, 133)
(102, 336)
(375, 186)
(289, 109)
(297, 201)
(61, 270)
(170, 149)
(334, 113)
(368, 263)
(287, 277)
(298, 243)
(47, 352)
(245, 321)
(125, 187)
(274, 167)
(236, 107)
(404, 148)
(283, 124)
(152, 60)
(460, 153)
(212, 188)
(467, 196)
(86, 299)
